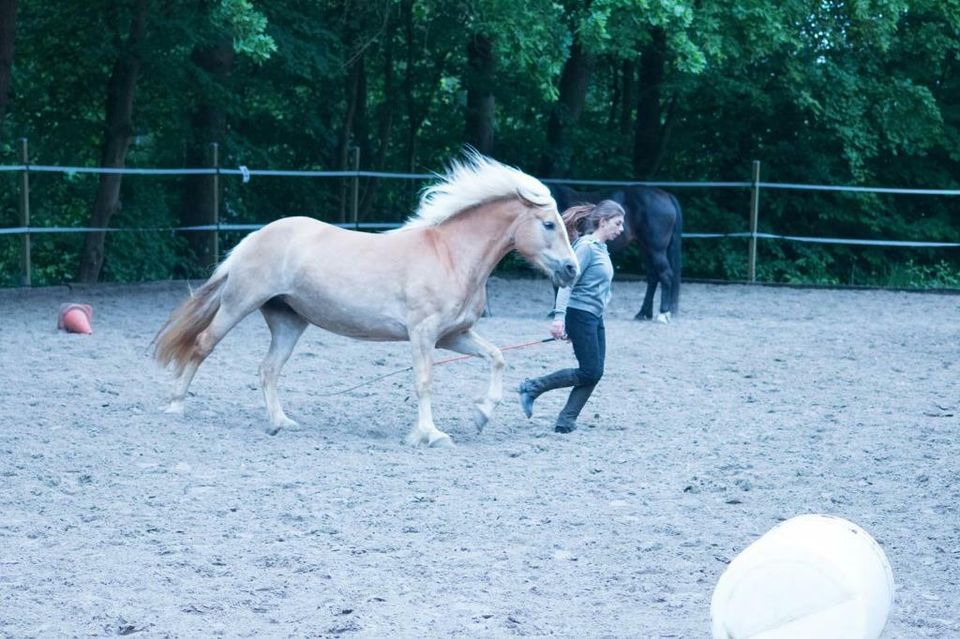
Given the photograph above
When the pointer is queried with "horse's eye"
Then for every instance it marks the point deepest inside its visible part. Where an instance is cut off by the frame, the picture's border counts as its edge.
(549, 225)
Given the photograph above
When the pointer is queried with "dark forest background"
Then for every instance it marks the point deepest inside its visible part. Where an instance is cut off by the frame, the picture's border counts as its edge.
(821, 92)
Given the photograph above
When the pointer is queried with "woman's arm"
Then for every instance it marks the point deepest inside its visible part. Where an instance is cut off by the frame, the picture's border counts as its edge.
(584, 254)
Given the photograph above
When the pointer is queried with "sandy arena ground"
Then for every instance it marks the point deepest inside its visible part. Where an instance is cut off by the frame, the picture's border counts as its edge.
(758, 404)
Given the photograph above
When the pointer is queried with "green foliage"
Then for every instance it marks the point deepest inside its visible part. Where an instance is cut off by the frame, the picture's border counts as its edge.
(940, 274)
(248, 27)
(863, 93)
(618, 26)
(531, 36)
(9, 261)
(147, 206)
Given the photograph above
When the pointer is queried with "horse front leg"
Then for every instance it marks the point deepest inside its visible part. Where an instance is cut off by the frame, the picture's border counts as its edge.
(424, 431)
(469, 343)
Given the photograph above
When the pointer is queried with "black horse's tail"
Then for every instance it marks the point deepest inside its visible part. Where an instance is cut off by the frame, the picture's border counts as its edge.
(675, 257)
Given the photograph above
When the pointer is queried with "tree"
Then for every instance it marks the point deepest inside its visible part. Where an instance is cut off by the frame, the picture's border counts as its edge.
(565, 113)
(481, 103)
(118, 129)
(208, 125)
(227, 28)
(833, 92)
(8, 27)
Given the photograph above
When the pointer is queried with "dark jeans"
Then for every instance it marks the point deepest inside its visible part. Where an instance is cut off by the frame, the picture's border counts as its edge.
(589, 340)
(588, 336)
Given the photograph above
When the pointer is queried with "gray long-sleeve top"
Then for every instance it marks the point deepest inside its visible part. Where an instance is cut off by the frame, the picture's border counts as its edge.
(591, 290)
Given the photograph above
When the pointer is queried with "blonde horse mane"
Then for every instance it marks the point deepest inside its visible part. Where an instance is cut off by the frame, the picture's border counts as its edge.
(471, 181)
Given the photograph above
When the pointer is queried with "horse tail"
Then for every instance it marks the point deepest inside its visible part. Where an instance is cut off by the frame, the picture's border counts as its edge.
(674, 255)
(176, 341)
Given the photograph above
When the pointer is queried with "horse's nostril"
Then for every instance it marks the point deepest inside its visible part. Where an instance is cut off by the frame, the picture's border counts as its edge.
(571, 269)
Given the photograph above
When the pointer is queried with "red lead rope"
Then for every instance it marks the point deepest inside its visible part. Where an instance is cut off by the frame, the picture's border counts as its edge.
(505, 348)
(436, 363)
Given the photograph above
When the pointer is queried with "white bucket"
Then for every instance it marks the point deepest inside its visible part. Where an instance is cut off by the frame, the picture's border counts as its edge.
(811, 577)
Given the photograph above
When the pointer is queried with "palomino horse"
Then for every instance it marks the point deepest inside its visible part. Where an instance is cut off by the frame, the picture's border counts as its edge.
(423, 282)
(654, 220)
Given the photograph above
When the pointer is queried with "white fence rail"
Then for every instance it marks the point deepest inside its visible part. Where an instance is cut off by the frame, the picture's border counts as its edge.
(26, 230)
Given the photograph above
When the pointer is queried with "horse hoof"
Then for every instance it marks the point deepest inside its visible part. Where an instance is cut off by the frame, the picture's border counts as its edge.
(441, 440)
(174, 408)
(642, 317)
(663, 318)
(283, 422)
(414, 439)
(480, 419)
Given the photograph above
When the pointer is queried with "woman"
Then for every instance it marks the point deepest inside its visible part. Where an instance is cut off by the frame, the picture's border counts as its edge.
(578, 312)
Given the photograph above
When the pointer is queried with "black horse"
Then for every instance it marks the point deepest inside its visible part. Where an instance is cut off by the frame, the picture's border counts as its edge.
(654, 220)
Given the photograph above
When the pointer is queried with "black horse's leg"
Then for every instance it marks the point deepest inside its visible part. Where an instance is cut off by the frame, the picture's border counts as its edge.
(664, 274)
(646, 309)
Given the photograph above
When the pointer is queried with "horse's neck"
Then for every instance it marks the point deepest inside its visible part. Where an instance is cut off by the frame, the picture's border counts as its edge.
(479, 238)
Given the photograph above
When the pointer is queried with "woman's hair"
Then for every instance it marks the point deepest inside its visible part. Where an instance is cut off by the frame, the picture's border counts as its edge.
(584, 218)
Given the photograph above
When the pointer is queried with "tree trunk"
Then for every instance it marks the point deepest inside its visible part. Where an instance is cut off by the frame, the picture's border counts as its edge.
(385, 126)
(415, 114)
(574, 82)
(413, 118)
(417, 110)
(356, 96)
(118, 130)
(8, 30)
(648, 139)
(481, 104)
(616, 95)
(627, 103)
(208, 124)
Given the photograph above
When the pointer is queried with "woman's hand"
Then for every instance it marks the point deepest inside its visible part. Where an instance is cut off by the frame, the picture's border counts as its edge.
(558, 329)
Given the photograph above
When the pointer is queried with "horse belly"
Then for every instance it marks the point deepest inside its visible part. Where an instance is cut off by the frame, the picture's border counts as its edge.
(350, 319)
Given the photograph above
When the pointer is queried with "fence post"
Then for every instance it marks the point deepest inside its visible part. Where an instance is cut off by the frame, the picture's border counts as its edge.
(215, 163)
(25, 262)
(754, 216)
(355, 189)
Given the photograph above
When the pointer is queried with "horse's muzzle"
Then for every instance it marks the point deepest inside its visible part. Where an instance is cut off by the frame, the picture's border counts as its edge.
(566, 272)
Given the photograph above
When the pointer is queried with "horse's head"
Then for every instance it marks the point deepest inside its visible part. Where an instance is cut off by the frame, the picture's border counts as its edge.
(540, 236)
(536, 230)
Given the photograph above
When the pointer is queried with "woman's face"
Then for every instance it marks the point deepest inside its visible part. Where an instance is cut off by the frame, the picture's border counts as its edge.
(609, 228)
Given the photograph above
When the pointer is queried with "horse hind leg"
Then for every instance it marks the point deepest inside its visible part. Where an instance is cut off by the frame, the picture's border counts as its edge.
(646, 310)
(653, 278)
(225, 319)
(660, 273)
(286, 327)
(175, 407)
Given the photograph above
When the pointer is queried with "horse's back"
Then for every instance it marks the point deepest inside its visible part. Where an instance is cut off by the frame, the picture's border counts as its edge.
(298, 226)
(305, 240)
(651, 212)
(345, 281)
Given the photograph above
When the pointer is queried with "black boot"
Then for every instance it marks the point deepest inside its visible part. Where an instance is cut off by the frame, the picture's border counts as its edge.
(530, 389)
(567, 419)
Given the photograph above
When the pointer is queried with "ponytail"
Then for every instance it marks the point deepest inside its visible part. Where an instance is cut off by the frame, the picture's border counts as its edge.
(577, 220)
(584, 218)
